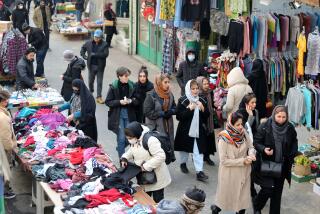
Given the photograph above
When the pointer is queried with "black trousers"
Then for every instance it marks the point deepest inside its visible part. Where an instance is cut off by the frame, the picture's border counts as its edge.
(109, 39)
(274, 193)
(157, 195)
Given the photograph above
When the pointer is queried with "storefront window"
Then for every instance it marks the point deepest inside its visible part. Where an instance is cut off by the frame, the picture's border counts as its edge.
(122, 8)
(143, 30)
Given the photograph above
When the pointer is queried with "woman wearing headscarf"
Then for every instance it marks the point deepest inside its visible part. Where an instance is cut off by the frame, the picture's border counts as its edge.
(20, 16)
(236, 153)
(159, 107)
(82, 107)
(111, 16)
(258, 83)
(192, 113)
(140, 91)
(276, 141)
(205, 92)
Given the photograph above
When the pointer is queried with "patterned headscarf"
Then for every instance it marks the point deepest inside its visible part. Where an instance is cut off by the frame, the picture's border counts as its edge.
(231, 134)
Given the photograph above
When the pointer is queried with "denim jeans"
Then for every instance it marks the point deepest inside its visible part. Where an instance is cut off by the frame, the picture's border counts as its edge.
(40, 56)
(197, 157)
(121, 138)
(79, 15)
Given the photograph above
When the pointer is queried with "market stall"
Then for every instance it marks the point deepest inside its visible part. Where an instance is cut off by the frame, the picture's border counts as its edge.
(68, 26)
(70, 170)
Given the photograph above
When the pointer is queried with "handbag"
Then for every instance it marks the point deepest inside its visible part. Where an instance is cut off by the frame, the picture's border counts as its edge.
(271, 169)
(145, 178)
(108, 23)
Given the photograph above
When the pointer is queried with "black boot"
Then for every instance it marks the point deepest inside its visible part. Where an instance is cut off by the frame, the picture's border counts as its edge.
(202, 177)
(208, 160)
(184, 168)
(215, 209)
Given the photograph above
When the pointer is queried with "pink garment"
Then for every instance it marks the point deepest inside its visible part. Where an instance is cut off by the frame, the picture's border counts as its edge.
(52, 120)
(106, 161)
(246, 39)
(62, 184)
(62, 142)
(90, 153)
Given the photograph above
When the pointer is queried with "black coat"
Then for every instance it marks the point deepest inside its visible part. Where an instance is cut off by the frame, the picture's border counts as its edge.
(113, 102)
(110, 30)
(19, 17)
(264, 139)
(37, 39)
(101, 54)
(140, 92)
(25, 74)
(182, 140)
(5, 14)
(80, 5)
(73, 72)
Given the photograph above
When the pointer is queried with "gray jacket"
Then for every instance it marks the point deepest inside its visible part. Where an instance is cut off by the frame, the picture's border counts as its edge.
(152, 110)
(25, 74)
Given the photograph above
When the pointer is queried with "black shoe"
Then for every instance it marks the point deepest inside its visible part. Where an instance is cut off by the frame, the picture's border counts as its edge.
(201, 176)
(209, 161)
(9, 195)
(184, 168)
(215, 209)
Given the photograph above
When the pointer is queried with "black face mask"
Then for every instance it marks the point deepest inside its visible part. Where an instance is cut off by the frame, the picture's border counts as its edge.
(76, 92)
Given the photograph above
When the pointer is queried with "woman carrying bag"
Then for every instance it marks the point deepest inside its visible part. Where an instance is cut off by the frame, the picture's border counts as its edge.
(236, 154)
(277, 145)
(152, 161)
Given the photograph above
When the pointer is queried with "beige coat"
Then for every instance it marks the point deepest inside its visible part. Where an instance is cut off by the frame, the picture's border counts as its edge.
(37, 17)
(156, 162)
(7, 136)
(233, 191)
(238, 87)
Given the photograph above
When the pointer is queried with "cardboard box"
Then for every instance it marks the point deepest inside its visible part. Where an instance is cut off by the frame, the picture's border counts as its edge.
(316, 189)
(302, 170)
(5, 26)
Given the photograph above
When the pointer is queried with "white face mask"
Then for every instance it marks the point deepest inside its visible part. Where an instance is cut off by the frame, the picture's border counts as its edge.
(191, 57)
(133, 141)
(20, 6)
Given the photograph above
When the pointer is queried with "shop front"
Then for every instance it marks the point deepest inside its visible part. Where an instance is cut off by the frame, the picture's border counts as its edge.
(149, 37)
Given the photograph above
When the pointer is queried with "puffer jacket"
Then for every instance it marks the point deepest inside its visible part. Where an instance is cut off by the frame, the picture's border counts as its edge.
(238, 88)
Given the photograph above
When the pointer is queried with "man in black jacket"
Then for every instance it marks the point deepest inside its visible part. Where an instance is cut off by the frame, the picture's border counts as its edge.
(97, 52)
(25, 73)
(4, 12)
(38, 40)
(189, 69)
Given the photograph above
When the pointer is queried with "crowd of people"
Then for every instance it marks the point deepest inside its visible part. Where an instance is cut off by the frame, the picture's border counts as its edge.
(248, 143)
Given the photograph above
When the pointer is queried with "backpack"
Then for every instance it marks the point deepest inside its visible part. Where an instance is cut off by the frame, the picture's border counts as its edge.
(165, 144)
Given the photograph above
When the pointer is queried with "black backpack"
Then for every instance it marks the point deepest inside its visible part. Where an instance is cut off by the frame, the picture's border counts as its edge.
(165, 144)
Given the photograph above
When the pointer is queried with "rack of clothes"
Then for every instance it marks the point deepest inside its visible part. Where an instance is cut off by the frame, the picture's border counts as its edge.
(167, 50)
(303, 102)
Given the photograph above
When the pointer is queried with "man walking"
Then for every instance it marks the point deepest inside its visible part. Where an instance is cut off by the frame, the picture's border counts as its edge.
(38, 40)
(42, 19)
(96, 52)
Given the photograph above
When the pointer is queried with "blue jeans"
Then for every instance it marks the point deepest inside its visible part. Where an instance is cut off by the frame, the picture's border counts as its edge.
(40, 56)
(79, 15)
(121, 138)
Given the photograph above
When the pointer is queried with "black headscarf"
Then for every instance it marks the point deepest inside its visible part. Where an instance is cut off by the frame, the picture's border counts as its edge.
(88, 104)
(258, 83)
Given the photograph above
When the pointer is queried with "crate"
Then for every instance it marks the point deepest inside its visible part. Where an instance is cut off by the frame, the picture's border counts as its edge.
(302, 179)
(302, 170)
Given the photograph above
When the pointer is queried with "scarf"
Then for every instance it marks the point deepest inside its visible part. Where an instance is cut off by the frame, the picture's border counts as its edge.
(207, 94)
(194, 128)
(279, 132)
(191, 206)
(232, 135)
(165, 95)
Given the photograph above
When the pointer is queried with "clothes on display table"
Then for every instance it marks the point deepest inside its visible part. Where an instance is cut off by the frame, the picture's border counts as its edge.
(303, 103)
(12, 49)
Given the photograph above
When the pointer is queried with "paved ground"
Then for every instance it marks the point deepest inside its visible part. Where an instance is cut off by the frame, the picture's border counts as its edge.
(299, 198)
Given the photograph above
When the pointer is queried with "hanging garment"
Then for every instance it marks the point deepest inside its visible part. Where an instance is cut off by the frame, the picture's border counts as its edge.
(312, 65)
(238, 6)
(255, 33)
(167, 57)
(294, 28)
(219, 22)
(271, 31)
(167, 9)
(302, 47)
(284, 28)
(195, 10)
(262, 36)
(177, 18)
(246, 39)
(235, 34)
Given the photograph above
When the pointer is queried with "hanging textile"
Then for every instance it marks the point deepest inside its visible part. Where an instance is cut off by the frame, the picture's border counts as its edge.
(219, 22)
(195, 10)
(178, 19)
(313, 45)
(12, 49)
(167, 57)
(167, 9)
(235, 35)
(302, 47)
